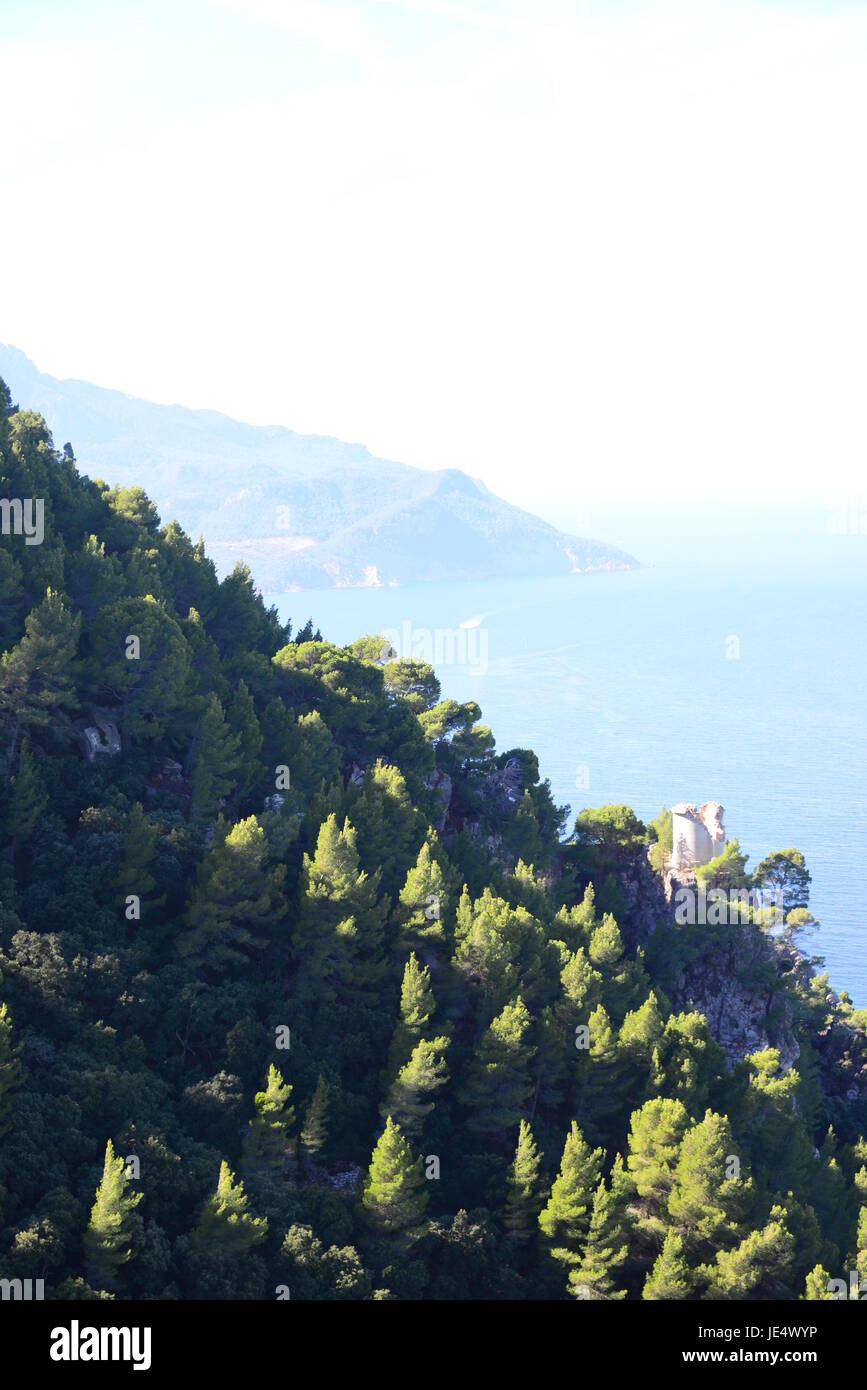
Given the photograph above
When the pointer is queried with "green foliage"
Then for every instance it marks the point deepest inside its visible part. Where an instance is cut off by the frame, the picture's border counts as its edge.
(107, 1240)
(225, 1226)
(237, 897)
(314, 1131)
(10, 1068)
(269, 1141)
(498, 1080)
(727, 871)
(607, 834)
(394, 1197)
(661, 834)
(217, 759)
(670, 1278)
(482, 987)
(524, 1199)
(565, 1219)
(785, 873)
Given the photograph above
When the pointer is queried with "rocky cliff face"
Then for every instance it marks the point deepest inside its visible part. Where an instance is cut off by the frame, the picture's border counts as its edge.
(741, 985)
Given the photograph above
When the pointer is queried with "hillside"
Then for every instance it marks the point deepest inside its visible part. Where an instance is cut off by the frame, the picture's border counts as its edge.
(309, 511)
(301, 988)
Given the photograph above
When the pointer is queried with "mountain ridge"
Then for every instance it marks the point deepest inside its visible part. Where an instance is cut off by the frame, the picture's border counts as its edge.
(313, 511)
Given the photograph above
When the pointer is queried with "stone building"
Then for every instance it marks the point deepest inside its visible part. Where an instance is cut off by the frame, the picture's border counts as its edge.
(697, 833)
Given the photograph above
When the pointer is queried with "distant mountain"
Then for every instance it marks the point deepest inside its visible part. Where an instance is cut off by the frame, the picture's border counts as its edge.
(304, 511)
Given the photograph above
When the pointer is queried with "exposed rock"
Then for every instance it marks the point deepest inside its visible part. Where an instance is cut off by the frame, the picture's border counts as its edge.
(646, 902)
(742, 1019)
(505, 785)
(441, 783)
(168, 776)
(344, 1178)
(101, 737)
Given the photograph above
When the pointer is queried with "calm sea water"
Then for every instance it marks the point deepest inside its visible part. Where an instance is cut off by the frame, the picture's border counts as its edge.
(740, 682)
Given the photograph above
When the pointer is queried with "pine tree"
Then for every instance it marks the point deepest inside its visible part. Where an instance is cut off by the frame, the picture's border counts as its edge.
(236, 897)
(670, 1277)
(242, 721)
(756, 1267)
(565, 1219)
(606, 1249)
(394, 1196)
(225, 1226)
(817, 1288)
(314, 1131)
(602, 1079)
(27, 800)
(655, 1137)
(423, 900)
(216, 762)
(10, 1068)
(338, 937)
(269, 1140)
(134, 874)
(524, 1199)
(419, 1078)
(417, 1007)
(37, 675)
(498, 1082)
(861, 1243)
(107, 1238)
(706, 1205)
(387, 825)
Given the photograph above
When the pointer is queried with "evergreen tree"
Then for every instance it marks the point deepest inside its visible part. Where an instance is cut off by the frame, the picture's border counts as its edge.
(498, 1082)
(817, 1288)
(416, 1011)
(755, 1267)
(107, 1240)
(153, 689)
(27, 801)
(237, 897)
(10, 1068)
(269, 1140)
(314, 1131)
(419, 1078)
(245, 728)
(655, 1137)
(606, 1248)
(37, 676)
(388, 825)
(217, 759)
(602, 1079)
(670, 1278)
(394, 1197)
(225, 1226)
(565, 1219)
(339, 934)
(861, 1243)
(705, 1204)
(524, 1199)
(423, 901)
(134, 876)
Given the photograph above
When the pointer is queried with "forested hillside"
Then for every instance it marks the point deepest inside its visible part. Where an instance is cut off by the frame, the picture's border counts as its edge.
(302, 992)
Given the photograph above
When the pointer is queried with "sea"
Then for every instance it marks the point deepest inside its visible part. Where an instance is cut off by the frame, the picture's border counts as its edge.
(739, 679)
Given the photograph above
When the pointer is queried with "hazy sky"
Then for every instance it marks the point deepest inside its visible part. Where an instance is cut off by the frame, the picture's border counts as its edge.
(580, 250)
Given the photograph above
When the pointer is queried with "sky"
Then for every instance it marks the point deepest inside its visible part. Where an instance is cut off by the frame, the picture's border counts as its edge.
(596, 254)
